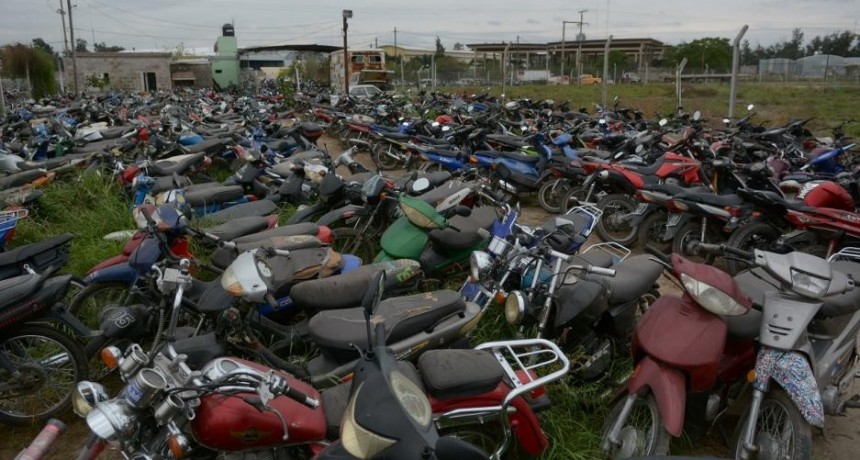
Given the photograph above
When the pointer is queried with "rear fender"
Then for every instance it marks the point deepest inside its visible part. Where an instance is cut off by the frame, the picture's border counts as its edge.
(636, 218)
(672, 230)
(791, 370)
(669, 390)
(341, 214)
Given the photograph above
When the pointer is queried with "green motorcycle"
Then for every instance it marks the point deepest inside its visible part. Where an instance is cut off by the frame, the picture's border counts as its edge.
(441, 245)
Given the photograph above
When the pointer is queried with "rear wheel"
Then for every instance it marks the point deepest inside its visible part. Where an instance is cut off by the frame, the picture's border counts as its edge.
(612, 226)
(50, 362)
(751, 236)
(348, 240)
(651, 232)
(486, 436)
(642, 434)
(386, 156)
(691, 233)
(552, 193)
(578, 196)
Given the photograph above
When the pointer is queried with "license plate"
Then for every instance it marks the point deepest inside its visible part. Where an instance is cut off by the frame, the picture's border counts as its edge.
(674, 219)
(641, 209)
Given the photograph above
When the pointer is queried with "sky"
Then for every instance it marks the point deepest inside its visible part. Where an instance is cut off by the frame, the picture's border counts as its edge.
(164, 24)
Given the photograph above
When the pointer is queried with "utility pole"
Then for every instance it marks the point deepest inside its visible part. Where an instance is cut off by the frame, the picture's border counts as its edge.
(402, 76)
(605, 71)
(579, 41)
(563, 41)
(346, 64)
(74, 50)
(62, 14)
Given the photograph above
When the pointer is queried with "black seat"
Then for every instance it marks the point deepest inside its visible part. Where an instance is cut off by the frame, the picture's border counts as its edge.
(468, 235)
(164, 183)
(649, 170)
(222, 257)
(507, 139)
(596, 258)
(395, 136)
(281, 145)
(433, 197)
(115, 132)
(432, 140)
(214, 298)
(350, 287)
(211, 145)
(521, 157)
(14, 290)
(404, 317)
(594, 153)
(730, 199)
(39, 256)
(447, 153)
(239, 227)
(251, 208)
(632, 278)
(214, 195)
(673, 189)
(450, 374)
(21, 178)
(305, 228)
(167, 168)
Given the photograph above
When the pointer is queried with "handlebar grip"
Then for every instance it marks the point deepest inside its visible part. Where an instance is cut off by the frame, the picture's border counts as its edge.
(601, 271)
(651, 249)
(38, 449)
(299, 396)
(707, 248)
(738, 252)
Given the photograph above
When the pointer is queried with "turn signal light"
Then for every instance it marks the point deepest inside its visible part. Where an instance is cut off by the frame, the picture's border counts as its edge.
(500, 297)
(752, 376)
(178, 445)
(110, 356)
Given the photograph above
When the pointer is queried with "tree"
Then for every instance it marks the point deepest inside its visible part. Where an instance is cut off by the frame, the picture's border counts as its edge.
(81, 45)
(38, 43)
(19, 61)
(703, 53)
(440, 50)
(459, 46)
(102, 48)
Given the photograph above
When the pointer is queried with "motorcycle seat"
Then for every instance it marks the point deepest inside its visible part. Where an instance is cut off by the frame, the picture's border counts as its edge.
(431, 140)
(251, 208)
(51, 163)
(97, 146)
(223, 257)
(446, 153)
(165, 183)
(212, 145)
(673, 189)
(305, 228)
(214, 195)
(649, 170)
(39, 255)
(115, 132)
(404, 317)
(281, 145)
(436, 178)
(21, 178)
(14, 290)
(211, 298)
(433, 197)
(350, 287)
(451, 374)
(167, 168)
(520, 157)
(395, 136)
(746, 326)
(468, 235)
(594, 153)
(596, 258)
(633, 277)
(239, 227)
(730, 199)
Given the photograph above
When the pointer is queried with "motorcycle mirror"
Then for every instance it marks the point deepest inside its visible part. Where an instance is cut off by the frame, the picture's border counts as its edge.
(420, 185)
(663, 122)
(750, 107)
(697, 115)
(453, 448)
(371, 298)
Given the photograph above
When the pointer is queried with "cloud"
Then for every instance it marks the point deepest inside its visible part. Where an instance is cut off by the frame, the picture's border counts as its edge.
(494, 23)
(532, 21)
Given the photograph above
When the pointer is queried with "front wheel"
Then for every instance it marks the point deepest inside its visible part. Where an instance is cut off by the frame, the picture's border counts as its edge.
(751, 236)
(613, 226)
(386, 156)
(551, 194)
(651, 232)
(642, 434)
(348, 240)
(691, 233)
(781, 432)
(50, 362)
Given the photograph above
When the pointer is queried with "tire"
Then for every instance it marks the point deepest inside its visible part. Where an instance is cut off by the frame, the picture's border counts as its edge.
(89, 303)
(691, 231)
(552, 193)
(794, 438)
(651, 232)
(654, 438)
(753, 235)
(348, 241)
(577, 196)
(32, 343)
(382, 159)
(613, 206)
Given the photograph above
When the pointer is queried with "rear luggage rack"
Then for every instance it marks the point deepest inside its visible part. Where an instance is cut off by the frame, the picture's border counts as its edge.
(617, 251)
(846, 254)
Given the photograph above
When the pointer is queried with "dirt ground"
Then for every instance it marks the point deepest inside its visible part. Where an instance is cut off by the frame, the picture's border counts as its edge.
(839, 441)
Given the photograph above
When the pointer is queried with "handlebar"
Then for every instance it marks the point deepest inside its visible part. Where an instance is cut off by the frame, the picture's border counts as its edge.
(721, 249)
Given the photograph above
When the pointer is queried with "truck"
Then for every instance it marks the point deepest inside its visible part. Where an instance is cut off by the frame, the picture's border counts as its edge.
(366, 67)
(532, 76)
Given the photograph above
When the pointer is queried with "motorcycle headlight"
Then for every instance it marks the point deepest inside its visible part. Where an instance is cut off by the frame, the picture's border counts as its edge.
(479, 264)
(412, 399)
(711, 298)
(815, 286)
(358, 441)
(112, 420)
(86, 396)
(244, 277)
(515, 307)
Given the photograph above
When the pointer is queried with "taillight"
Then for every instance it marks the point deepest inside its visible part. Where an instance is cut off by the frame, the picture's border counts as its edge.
(677, 206)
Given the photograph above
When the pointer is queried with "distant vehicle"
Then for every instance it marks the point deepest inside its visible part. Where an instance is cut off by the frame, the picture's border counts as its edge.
(559, 80)
(364, 91)
(365, 67)
(588, 79)
(630, 77)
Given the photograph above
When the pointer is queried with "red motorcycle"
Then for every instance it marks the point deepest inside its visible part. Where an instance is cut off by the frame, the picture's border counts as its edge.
(692, 354)
(618, 182)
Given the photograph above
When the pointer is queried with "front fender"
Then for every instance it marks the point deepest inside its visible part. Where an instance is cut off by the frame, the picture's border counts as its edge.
(343, 213)
(791, 370)
(667, 384)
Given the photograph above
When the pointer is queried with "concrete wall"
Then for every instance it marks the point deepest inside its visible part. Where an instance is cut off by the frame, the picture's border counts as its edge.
(124, 70)
(202, 72)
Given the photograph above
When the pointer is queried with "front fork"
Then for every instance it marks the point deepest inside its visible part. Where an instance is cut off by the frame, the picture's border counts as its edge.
(748, 446)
